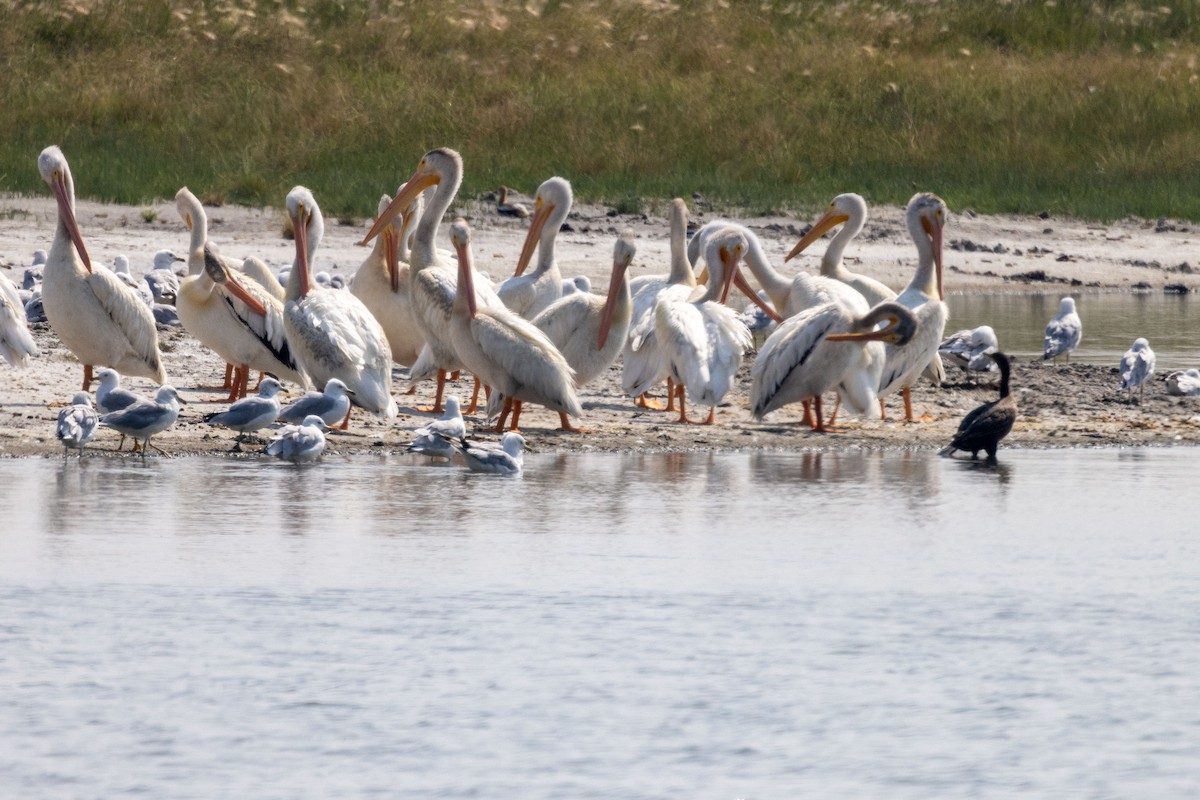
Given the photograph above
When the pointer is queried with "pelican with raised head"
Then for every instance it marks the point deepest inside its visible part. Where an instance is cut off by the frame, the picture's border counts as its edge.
(850, 209)
(101, 320)
(530, 295)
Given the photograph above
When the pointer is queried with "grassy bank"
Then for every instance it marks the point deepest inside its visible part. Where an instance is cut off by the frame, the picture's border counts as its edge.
(1018, 106)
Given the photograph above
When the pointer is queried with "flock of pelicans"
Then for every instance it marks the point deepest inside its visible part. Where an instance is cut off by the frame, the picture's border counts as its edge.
(531, 339)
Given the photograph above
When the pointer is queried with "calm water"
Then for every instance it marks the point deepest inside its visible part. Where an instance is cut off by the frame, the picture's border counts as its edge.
(1111, 322)
(880, 625)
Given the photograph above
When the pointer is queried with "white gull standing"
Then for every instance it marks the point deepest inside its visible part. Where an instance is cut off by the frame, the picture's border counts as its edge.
(77, 424)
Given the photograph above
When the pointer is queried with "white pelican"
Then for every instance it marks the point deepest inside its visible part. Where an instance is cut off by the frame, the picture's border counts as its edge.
(530, 295)
(643, 365)
(971, 348)
(431, 281)
(242, 322)
(144, 419)
(1063, 332)
(985, 426)
(299, 443)
(96, 316)
(1137, 365)
(383, 285)
(926, 217)
(257, 270)
(331, 332)
(832, 346)
(850, 209)
(701, 340)
(434, 439)
(250, 414)
(77, 423)
(1184, 383)
(16, 342)
(330, 405)
(505, 458)
(505, 351)
(590, 330)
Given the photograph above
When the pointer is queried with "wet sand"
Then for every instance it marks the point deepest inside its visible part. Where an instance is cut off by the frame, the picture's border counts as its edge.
(1061, 405)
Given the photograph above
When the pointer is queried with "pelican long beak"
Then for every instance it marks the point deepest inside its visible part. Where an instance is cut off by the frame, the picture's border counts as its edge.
(419, 182)
(739, 280)
(300, 233)
(934, 231)
(67, 214)
(466, 276)
(239, 291)
(830, 220)
(610, 303)
(892, 332)
(729, 260)
(391, 256)
(540, 215)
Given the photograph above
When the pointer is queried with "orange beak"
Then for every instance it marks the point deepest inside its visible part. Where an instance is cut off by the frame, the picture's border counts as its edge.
(466, 277)
(610, 303)
(745, 288)
(535, 232)
(419, 182)
(67, 215)
(391, 257)
(830, 220)
(300, 230)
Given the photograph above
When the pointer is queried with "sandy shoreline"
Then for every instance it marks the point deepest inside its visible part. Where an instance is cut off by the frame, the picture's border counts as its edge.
(1064, 405)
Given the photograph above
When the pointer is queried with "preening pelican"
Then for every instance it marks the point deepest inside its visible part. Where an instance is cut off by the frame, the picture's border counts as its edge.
(98, 318)
(850, 209)
(832, 346)
(331, 332)
(701, 340)
(926, 217)
(983, 428)
(505, 351)
(77, 424)
(16, 342)
(530, 295)
(1063, 332)
(1184, 383)
(240, 321)
(382, 284)
(1137, 365)
(431, 278)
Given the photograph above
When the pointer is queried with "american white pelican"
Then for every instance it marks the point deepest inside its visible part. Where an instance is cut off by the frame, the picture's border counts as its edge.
(1137, 365)
(590, 330)
(16, 342)
(144, 419)
(299, 443)
(530, 295)
(970, 349)
(239, 320)
(434, 439)
(832, 346)
(1184, 383)
(506, 209)
(850, 209)
(332, 333)
(96, 316)
(77, 424)
(431, 277)
(505, 458)
(383, 285)
(330, 405)
(505, 351)
(701, 340)
(926, 217)
(162, 280)
(984, 427)
(257, 270)
(250, 414)
(1063, 332)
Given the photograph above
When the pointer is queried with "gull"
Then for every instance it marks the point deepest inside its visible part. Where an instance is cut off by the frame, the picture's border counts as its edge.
(250, 414)
(1063, 332)
(162, 280)
(505, 458)
(1136, 366)
(331, 405)
(144, 419)
(77, 423)
(298, 443)
(435, 438)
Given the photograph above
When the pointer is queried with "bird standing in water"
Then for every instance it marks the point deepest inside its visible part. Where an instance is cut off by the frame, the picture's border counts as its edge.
(983, 428)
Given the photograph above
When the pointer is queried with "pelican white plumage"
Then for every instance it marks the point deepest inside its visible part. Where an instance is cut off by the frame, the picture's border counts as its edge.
(505, 458)
(96, 316)
(529, 295)
(831, 346)
(701, 340)
(850, 209)
(299, 443)
(971, 349)
(239, 320)
(331, 332)
(432, 281)
(926, 217)
(330, 405)
(1137, 365)
(250, 414)
(77, 424)
(382, 284)
(1063, 332)
(435, 438)
(145, 419)
(1184, 383)
(16, 342)
(505, 351)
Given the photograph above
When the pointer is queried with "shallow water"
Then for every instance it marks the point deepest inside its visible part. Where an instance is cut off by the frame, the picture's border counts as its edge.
(888, 625)
(1111, 321)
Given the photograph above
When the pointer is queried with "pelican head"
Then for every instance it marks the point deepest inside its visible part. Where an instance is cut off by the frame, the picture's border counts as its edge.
(623, 252)
(552, 203)
(436, 166)
(308, 225)
(464, 296)
(848, 207)
(926, 216)
(191, 211)
(55, 171)
(722, 251)
(900, 328)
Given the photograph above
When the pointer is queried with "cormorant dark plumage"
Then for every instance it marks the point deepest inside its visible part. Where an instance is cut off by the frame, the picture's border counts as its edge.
(983, 428)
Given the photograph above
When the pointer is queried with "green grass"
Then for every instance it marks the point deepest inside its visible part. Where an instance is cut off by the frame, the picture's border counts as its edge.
(1086, 109)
